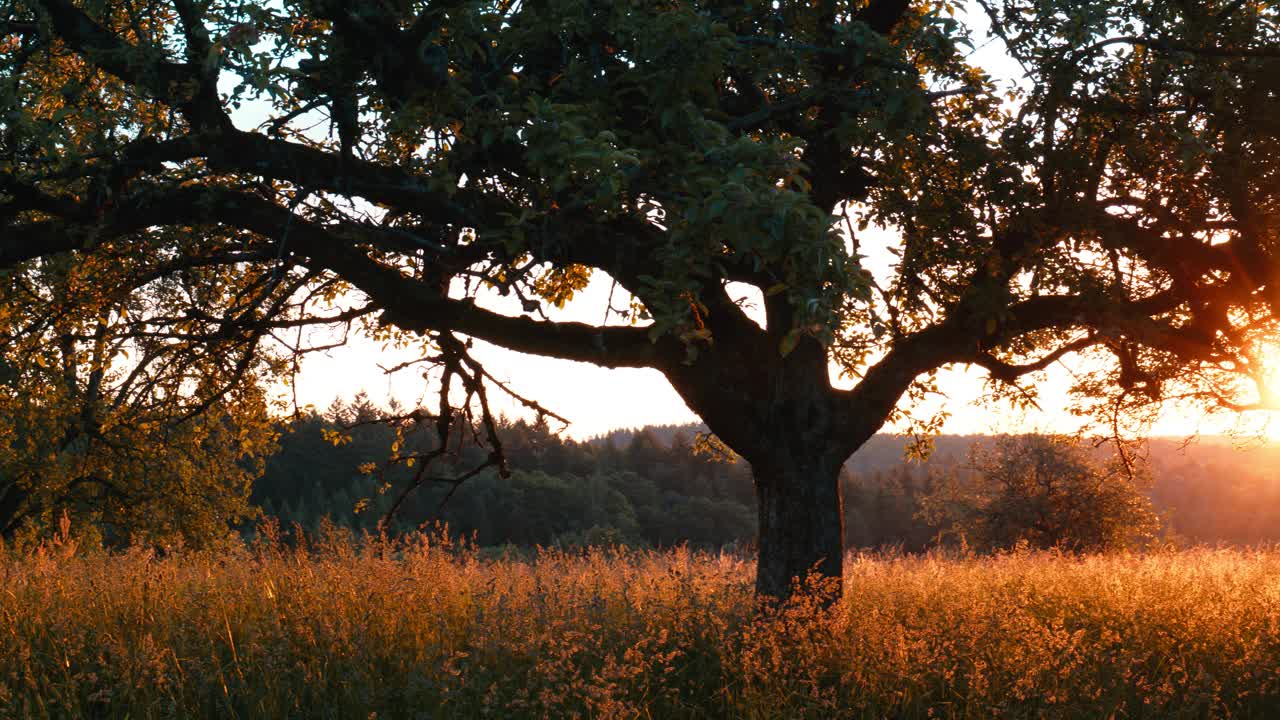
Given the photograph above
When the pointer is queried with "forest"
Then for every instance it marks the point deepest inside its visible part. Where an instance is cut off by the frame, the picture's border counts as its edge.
(663, 486)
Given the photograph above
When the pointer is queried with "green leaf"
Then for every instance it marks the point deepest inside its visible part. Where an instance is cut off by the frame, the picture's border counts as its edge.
(789, 342)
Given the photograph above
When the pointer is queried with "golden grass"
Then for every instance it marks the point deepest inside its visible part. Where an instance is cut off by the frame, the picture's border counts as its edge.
(428, 629)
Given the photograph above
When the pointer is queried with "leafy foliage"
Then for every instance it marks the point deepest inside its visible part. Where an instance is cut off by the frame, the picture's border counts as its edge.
(140, 439)
(1045, 492)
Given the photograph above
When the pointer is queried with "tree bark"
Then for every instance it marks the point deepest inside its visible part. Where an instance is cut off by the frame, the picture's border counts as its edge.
(801, 521)
(11, 499)
(782, 416)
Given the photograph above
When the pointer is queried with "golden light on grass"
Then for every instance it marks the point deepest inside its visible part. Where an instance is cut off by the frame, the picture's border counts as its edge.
(431, 629)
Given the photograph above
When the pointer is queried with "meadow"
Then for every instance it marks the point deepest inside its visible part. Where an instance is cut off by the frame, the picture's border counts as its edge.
(429, 628)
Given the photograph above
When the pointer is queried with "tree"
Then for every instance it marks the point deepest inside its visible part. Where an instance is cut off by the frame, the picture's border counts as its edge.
(135, 435)
(391, 159)
(1043, 491)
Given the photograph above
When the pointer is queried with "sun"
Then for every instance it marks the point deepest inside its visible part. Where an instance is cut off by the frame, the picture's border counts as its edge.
(1260, 390)
(1266, 374)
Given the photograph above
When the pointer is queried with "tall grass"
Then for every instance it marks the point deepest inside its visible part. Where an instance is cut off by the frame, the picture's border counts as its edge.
(425, 628)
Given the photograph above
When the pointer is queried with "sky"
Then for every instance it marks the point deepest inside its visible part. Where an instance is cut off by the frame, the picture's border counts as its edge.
(597, 400)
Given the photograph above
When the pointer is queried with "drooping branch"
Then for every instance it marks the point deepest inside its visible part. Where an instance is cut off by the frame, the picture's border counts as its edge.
(414, 306)
(457, 364)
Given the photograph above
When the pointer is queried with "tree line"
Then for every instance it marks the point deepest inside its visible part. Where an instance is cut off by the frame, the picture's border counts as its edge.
(665, 485)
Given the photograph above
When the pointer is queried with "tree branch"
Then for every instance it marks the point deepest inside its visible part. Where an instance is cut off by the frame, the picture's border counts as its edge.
(179, 84)
(406, 302)
(1009, 373)
(883, 15)
(1166, 46)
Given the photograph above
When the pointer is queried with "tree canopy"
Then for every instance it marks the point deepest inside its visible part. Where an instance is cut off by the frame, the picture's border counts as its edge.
(240, 171)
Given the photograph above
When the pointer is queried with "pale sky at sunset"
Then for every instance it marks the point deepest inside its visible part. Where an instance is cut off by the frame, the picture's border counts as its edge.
(597, 399)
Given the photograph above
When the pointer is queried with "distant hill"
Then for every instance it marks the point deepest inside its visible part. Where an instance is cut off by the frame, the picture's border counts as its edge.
(885, 451)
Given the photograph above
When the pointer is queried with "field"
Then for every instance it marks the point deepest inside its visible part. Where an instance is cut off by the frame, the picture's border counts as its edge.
(427, 628)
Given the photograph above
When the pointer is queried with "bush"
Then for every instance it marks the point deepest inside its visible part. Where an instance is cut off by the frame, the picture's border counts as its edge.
(1043, 491)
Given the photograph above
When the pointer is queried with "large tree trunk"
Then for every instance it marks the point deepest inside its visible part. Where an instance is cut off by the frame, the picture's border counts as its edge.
(779, 411)
(801, 522)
